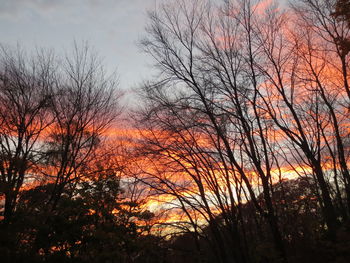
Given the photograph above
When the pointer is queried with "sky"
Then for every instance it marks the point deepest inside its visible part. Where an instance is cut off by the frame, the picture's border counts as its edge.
(111, 27)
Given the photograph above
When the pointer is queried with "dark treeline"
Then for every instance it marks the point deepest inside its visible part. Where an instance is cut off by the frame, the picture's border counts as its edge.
(241, 155)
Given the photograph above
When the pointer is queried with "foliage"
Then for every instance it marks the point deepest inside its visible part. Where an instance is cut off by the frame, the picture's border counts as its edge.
(92, 224)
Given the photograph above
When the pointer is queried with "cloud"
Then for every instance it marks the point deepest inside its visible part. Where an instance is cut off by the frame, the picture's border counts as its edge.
(112, 26)
(15, 9)
(13, 6)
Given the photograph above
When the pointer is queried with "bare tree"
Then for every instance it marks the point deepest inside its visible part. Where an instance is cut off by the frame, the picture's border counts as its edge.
(25, 97)
(208, 70)
(267, 92)
(84, 105)
(53, 118)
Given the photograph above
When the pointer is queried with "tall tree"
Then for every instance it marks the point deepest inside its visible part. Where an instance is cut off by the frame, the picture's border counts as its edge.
(84, 105)
(25, 84)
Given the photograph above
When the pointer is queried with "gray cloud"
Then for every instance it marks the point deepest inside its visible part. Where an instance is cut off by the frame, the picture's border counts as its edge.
(15, 7)
(112, 27)
(21, 8)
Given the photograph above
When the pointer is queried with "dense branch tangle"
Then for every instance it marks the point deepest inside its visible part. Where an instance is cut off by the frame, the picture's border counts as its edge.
(52, 116)
(246, 92)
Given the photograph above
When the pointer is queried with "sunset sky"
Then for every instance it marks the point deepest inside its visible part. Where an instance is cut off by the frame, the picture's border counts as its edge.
(166, 131)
